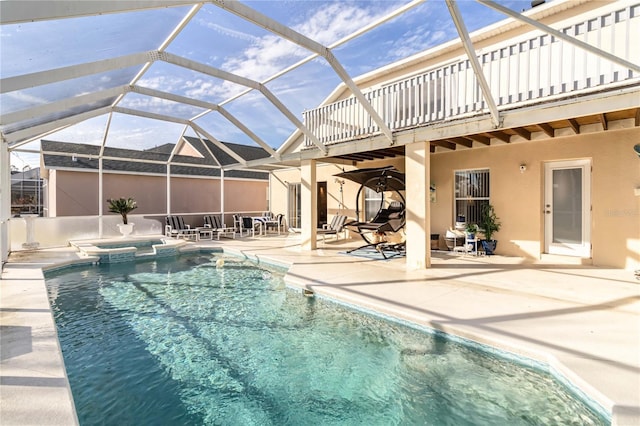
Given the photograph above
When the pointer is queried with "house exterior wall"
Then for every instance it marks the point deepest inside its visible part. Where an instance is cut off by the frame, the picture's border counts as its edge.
(76, 193)
(518, 197)
(336, 202)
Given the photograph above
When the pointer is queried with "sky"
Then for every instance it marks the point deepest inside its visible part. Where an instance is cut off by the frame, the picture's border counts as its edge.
(219, 39)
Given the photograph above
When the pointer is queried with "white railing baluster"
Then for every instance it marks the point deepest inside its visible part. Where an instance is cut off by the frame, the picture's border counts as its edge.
(518, 71)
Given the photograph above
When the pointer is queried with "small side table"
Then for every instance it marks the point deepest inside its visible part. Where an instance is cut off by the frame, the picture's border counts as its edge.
(471, 246)
(205, 233)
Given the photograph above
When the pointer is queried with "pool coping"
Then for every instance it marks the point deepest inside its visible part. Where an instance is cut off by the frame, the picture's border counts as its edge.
(122, 252)
(42, 411)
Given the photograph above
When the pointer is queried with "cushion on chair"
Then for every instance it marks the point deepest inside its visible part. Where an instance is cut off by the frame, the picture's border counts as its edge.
(247, 222)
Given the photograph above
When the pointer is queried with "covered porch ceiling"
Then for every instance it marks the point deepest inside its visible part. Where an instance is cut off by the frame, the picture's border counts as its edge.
(549, 129)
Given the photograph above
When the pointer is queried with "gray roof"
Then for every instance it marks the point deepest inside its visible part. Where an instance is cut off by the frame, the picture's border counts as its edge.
(152, 160)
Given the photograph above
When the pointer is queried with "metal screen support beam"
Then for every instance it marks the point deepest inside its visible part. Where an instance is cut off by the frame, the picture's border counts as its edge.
(475, 64)
(559, 34)
(100, 176)
(51, 127)
(168, 193)
(338, 43)
(224, 225)
(293, 36)
(40, 78)
(16, 11)
(200, 131)
(176, 31)
(209, 107)
(226, 114)
(100, 196)
(243, 81)
(5, 202)
(204, 145)
(62, 105)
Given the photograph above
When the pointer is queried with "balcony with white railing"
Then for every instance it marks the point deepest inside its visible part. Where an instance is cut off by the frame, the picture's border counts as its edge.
(533, 69)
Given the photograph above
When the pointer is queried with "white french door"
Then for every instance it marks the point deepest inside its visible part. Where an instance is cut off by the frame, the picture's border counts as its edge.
(567, 208)
(294, 205)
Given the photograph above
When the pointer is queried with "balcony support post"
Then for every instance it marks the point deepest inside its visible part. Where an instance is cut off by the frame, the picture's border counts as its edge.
(418, 209)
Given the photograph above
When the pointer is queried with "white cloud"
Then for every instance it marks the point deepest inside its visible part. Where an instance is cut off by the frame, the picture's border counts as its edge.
(331, 23)
(25, 98)
(270, 54)
(226, 31)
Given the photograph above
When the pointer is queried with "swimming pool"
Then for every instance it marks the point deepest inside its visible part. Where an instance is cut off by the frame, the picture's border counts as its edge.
(181, 341)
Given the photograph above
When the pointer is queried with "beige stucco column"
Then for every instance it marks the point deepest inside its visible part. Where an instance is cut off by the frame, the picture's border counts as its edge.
(308, 207)
(418, 213)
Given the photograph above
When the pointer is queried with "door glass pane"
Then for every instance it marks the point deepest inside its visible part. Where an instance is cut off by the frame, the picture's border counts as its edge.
(294, 204)
(567, 206)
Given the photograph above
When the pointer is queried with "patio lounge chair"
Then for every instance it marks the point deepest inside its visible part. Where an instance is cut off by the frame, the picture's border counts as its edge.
(242, 224)
(276, 223)
(389, 220)
(175, 227)
(334, 228)
(215, 223)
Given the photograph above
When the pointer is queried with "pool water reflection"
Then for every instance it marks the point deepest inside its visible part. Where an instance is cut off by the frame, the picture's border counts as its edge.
(191, 341)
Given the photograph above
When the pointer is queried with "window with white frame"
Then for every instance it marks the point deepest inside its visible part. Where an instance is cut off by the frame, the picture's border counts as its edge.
(471, 193)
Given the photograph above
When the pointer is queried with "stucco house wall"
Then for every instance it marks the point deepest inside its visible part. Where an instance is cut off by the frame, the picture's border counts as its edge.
(337, 203)
(518, 196)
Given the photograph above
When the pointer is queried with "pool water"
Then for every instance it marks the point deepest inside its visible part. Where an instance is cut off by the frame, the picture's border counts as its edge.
(184, 342)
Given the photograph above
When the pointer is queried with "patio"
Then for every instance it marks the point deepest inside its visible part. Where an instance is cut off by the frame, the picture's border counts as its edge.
(582, 321)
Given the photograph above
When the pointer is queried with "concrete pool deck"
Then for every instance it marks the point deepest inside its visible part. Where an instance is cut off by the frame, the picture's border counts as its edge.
(583, 321)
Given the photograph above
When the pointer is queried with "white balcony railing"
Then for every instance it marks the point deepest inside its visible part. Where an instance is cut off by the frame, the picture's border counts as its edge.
(519, 72)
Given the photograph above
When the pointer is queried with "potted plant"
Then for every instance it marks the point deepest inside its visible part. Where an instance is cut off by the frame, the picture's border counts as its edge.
(123, 206)
(490, 224)
(471, 230)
